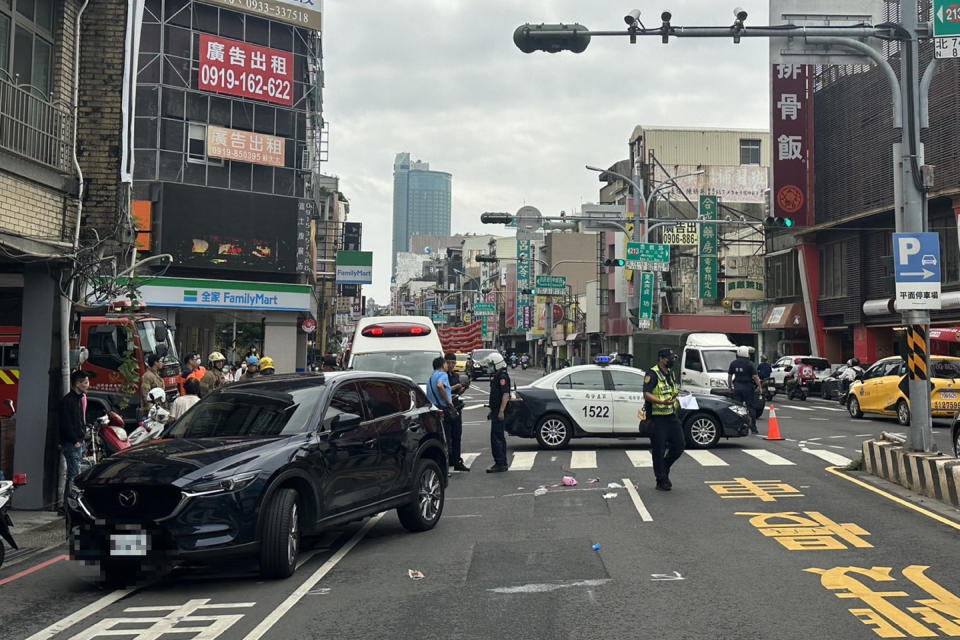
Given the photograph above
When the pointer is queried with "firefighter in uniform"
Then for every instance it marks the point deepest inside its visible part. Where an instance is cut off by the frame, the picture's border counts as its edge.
(213, 379)
(499, 397)
(666, 439)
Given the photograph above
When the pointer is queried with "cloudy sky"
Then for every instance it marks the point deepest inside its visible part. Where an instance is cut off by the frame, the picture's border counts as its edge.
(443, 80)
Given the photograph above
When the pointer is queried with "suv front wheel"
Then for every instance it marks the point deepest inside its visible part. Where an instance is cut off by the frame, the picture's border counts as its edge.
(423, 513)
(281, 536)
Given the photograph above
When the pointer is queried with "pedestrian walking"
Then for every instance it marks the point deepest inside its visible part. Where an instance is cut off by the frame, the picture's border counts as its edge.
(215, 377)
(743, 379)
(184, 402)
(455, 432)
(151, 380)
(73, 426)
(499, 397)
(666, 441)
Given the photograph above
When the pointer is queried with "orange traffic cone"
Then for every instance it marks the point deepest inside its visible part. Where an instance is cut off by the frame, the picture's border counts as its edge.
(773, 428)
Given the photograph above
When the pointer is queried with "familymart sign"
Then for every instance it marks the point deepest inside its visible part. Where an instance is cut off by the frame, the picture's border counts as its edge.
(225, 294)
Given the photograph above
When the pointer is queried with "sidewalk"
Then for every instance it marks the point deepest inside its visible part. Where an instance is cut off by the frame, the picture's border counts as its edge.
(33, 531)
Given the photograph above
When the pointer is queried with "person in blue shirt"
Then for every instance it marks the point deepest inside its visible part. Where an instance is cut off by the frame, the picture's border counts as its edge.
(440, 393)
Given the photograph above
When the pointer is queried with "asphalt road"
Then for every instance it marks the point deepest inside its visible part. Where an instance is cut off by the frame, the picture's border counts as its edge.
(706, 560)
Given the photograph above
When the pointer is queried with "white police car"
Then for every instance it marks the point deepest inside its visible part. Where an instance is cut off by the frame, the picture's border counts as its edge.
(606, 401)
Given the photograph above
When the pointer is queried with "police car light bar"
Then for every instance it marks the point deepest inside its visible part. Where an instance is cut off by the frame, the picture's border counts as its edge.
(602, 360)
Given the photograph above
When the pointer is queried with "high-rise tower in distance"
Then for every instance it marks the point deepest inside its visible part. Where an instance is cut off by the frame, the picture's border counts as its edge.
(421, 202)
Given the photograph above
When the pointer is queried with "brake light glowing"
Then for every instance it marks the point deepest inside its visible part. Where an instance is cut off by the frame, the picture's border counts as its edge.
(395, 330)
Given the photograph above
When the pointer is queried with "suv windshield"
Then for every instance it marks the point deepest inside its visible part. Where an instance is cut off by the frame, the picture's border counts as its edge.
(480, 354)
(418, 365)
(719, 360)
(251, 412)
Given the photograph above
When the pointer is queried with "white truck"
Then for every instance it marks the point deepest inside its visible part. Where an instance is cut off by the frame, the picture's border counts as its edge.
(704, 358)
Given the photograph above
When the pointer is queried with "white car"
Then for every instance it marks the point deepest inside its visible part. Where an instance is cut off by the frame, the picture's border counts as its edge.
(785, 365)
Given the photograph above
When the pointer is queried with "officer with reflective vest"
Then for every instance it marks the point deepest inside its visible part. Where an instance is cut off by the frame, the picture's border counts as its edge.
(666, 439)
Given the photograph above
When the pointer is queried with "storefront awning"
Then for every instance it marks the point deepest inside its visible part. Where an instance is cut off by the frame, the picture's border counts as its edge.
(945, 335)
(785, 316)
(571, 337)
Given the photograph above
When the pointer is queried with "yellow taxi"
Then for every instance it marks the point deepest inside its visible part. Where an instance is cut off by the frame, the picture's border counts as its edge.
(883, 389)
(461, 365)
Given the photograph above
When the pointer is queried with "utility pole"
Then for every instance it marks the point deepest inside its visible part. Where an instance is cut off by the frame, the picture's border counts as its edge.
(911, 179)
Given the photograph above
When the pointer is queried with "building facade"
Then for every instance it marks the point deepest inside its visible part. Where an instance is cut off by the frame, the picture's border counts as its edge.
(421, 202)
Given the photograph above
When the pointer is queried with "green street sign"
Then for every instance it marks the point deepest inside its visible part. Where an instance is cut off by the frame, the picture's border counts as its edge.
(709, 264)
(946, 18)
(645, 315)
(484, 309)
(439, 318)
(648, 256)
(758, 311)
(551, 285)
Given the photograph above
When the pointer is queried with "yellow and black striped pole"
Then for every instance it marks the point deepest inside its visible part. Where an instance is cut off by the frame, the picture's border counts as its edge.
(917, 352)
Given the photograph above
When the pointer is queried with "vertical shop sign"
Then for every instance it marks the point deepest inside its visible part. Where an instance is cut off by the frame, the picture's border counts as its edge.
(792, 142)
(708, 248)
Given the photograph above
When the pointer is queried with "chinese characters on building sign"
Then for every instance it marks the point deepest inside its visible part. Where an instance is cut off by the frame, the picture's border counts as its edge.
(708, 248)
(792, 139)
(680, 234)
(245, 70)
(524, 311)
(300, 13)
(245, 146)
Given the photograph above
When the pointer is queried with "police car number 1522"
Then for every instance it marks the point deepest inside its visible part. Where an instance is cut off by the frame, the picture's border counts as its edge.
(594, 411)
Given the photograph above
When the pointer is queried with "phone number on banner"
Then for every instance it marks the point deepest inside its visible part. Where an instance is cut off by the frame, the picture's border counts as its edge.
(272, 89)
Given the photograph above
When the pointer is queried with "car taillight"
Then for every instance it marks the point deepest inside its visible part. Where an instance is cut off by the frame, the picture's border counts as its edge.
(395, 329)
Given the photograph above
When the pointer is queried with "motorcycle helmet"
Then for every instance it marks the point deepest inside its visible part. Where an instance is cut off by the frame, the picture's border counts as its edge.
(266, 365)
(854, 362)
(743, 352)
(495, 361)
(157, 395)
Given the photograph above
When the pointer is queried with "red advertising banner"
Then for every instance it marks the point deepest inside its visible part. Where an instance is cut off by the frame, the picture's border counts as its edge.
(792, 142)
(245, 70)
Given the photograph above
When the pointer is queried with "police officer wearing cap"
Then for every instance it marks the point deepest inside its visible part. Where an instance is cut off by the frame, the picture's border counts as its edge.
(743, 378)
(499, 398)
(666, 439)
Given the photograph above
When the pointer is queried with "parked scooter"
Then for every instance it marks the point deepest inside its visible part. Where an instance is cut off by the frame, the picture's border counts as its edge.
(152, 426)
(6, 494)
(105, 437)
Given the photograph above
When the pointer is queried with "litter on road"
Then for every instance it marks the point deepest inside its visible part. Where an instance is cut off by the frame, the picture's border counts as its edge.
(540, 492)
(614, 485)
(596, 546)
(569, 481)
(415, 574)
(608, 496)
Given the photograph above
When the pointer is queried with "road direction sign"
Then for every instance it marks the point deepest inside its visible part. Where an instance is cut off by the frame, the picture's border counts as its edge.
(439, 318)
(484, 309)
(946, 47)
(551, 285)
(648, 256)
(916, 270)
(600, 216)
(946, 18)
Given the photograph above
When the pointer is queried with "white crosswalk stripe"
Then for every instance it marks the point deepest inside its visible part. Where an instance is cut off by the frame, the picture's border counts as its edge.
(469, 459)
(640, 458)
(768, 457)
(829, 456)
(706, 458)
(583, 460)
(793, 406)
(523, 460)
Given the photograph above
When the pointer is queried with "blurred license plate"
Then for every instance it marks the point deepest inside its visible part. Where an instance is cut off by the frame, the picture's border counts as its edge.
(948, 395)
(128, 544)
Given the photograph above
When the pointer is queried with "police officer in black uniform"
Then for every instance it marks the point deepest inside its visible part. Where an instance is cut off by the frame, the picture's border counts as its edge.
(499, 397)
(743, 379)
(455, 420)
(666, 439)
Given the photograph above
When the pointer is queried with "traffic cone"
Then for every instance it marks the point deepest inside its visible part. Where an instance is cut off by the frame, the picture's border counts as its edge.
(773, 428)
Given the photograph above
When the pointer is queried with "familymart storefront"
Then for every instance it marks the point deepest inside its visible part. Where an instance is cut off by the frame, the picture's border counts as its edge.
(233, 317)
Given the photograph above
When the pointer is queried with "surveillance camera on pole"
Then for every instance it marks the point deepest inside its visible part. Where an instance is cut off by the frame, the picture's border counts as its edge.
(740, 16)
(632, 18)
(665, 27)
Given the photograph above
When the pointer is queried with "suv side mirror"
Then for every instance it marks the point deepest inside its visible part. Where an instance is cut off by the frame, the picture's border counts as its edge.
(343, 422)
(160, 333)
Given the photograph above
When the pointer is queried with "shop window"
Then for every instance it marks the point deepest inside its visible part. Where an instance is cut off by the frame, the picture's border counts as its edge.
(197, 146)
(749, 152)
(833, 283)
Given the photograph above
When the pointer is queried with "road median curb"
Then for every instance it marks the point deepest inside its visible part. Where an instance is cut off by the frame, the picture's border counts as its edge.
(930, 474)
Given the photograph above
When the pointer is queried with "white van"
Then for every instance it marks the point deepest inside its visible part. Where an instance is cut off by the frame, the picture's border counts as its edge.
(705, 362)
(405, 345)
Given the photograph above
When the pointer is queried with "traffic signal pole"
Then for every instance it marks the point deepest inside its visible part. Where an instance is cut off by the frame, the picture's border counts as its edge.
(909, 111)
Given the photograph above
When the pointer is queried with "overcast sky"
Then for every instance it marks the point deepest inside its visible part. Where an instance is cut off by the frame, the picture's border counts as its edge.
(443, 80)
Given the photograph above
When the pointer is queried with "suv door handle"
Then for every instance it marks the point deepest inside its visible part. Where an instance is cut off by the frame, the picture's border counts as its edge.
(370, 443)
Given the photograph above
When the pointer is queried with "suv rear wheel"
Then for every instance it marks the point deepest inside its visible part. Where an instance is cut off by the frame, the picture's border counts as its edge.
(423, 513)
(281, 536)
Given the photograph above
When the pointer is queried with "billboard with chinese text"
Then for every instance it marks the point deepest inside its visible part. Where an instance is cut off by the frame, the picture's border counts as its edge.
(246, 70)
(792, 142)
(245, 146)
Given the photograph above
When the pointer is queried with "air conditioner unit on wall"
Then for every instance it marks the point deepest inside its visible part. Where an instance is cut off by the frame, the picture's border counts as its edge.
(740, 305)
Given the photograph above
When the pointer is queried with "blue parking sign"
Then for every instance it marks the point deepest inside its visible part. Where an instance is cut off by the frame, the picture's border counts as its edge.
(916, 265)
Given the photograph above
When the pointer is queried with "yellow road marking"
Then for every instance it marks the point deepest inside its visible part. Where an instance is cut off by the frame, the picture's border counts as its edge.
(950, 523)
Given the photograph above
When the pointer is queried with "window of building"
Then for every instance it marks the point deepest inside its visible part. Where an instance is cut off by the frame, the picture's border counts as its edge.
(782, 275)
(749, 151)
(26, 43)
(832, 259)
(197, 146)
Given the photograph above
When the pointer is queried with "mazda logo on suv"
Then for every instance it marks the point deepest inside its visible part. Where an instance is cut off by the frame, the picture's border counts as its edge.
(127, 498)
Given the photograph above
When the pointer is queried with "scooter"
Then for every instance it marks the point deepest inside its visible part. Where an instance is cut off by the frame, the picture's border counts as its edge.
(797, 387)
(6, 493)
(769, 389)
(151, 427)
(524, 362)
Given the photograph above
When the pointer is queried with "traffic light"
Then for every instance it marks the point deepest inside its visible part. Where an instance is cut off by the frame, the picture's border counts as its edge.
(528, 292)
(774, 222)
(484, 258)
(614, 262)
(496, 218)
(551, 37)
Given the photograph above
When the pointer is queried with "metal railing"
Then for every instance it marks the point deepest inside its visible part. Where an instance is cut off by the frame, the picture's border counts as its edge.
(33, 127)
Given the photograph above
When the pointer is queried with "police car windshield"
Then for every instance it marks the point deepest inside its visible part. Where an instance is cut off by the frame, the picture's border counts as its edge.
(719, 361)
(417, 365)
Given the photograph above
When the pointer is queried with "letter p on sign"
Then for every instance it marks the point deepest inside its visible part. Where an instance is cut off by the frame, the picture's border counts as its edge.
(907, 247)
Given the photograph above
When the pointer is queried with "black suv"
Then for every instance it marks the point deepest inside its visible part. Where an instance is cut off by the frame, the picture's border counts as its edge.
(475, 367)
(255, 466)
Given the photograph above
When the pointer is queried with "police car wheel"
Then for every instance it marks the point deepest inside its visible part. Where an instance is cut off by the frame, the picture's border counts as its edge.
(903, 413)
(853, 407)
(703, 431)
(956, 440)
(553, 432)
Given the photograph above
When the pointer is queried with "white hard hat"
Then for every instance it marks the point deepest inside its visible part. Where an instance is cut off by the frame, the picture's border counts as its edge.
(157, 395)
(743, 352)
(496, 360)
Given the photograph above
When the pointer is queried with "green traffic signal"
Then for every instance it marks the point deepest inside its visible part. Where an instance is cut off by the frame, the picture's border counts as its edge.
(774, 221)
(614, 262)
(551, 37)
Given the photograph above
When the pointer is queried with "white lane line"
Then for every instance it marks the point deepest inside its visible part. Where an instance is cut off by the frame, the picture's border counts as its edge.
(706, 458)
(550, 586)
(863, 435)
(267, 623)
(837, 437)
(523, 460)
(768, 457)
(821, 419)
(833, 409)
(637, 502)
(640, 458)
(583, 459)
(829, 456)
(77, 616)
(473, 406)
(469, 459)
(817, 438)
(793, 406)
